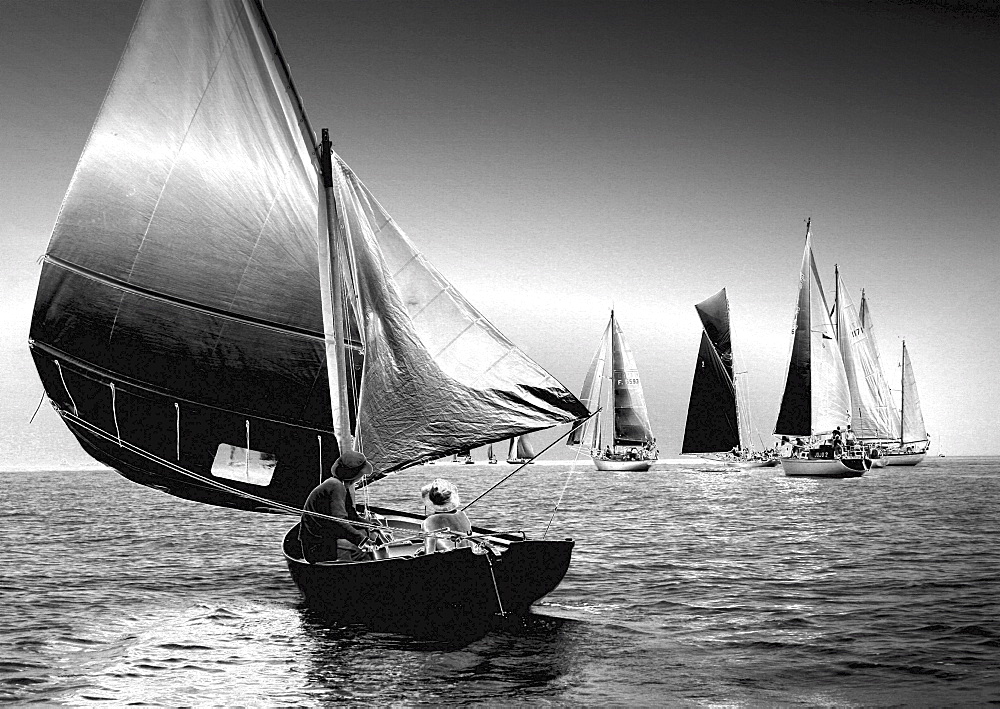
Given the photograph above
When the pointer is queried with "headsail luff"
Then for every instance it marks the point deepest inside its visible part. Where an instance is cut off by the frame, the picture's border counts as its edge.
(870, 413)
(817, 397)
(593, 389)
(180, 297)
(713, 420)
(437, 374)
(884, 394)
(631, 422)
(912, 429)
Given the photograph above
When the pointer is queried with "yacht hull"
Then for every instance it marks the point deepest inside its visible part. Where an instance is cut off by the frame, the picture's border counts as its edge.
(903, 458)
(825, 467)
(622, 465)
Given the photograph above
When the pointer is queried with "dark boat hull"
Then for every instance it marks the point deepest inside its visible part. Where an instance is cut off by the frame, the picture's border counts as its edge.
(458, 593)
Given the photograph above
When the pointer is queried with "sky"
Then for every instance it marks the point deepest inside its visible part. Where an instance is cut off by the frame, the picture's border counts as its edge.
(556, 159)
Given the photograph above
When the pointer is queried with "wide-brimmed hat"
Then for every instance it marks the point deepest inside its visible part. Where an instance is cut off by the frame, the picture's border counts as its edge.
(442, 496)
(350, 466)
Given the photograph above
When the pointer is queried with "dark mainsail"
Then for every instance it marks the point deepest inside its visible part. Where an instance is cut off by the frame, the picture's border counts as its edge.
(713, 422)
(795, 412)
(631, 426)
(180, 325)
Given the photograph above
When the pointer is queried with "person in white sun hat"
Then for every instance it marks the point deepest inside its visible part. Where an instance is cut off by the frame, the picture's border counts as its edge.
(441, 502)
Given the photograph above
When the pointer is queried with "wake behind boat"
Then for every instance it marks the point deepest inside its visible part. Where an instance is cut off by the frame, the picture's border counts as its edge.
(816, 403)
(618, 437)
(718, 411)
(224, 307)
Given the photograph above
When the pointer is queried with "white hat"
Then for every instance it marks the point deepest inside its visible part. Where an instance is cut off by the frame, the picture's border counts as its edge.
(441, 495)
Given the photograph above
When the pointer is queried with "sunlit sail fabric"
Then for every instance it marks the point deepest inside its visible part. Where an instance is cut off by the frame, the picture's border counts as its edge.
(913, 429)
(437, 375)
(817, 397)
(593, 389)
(180, 295)
(884, 392)
(870, 413)
(713, 421)
(631, 422)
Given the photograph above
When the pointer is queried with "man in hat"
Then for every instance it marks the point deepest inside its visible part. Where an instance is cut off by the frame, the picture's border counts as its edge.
(325, 539)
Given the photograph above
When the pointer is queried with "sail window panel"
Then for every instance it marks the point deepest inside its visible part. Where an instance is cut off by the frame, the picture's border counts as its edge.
(244, 465)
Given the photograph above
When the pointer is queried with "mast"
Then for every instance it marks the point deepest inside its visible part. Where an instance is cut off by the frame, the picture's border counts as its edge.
(836, 302)
(611, 389)
(902, 391)
(336, 357)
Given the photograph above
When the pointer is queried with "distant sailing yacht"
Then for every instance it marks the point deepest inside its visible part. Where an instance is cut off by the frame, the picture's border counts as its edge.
(817, 396)
(913, 438)
(713, 428)
(619, 437)
(520, 450)
(874, 419)
(490, 457)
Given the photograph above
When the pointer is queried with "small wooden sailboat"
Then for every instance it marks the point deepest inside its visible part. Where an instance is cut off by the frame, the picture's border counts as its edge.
(717, 410)
(520, 450)
(224, 306)
(913, 439)
(619, 437)
(817, 397)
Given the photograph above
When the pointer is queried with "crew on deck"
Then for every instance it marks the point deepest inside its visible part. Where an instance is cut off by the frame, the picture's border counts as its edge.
(443, 500)
(324, 538)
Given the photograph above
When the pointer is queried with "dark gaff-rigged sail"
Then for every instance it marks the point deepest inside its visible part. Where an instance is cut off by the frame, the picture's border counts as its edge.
(179, 322)
(817, 397)
(913, 429)
(713, 421)
(631, 422)
(522, 447)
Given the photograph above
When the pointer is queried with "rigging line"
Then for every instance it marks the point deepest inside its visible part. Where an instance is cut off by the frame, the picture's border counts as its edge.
(496, 588)
(76, 411)
(177, 408)
(569, 476)
(37, 408)
(271, 504)
(522, 465)
(114, 413)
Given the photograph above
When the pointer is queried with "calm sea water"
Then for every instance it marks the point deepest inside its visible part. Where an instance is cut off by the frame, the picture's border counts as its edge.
(688, 587)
